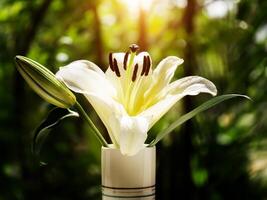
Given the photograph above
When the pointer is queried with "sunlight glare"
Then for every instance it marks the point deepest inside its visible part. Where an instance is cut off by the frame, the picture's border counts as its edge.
(219, 8)
(137, 4)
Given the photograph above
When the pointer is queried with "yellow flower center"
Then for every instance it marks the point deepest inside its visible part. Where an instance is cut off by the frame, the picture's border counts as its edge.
(134, 81)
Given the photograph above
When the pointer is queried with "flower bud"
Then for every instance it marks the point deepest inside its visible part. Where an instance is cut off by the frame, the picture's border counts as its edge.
(45, 83)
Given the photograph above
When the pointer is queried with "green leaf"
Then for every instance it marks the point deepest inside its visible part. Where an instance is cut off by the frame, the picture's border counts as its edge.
(214, 101)
(54, 117)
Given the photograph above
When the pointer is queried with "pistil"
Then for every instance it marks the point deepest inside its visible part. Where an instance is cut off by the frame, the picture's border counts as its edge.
(131, 77)
(134, 48)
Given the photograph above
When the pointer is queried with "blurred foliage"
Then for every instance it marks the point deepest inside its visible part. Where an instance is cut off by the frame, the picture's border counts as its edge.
(221, 154)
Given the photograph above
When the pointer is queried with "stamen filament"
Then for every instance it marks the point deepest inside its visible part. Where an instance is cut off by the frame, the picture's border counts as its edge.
(129, 66)
(136, 97)
(128, 79)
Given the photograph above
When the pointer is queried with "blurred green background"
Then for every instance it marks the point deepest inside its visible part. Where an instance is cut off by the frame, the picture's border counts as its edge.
(220, 154)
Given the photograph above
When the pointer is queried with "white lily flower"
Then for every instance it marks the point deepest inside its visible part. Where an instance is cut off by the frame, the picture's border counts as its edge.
(130, 97)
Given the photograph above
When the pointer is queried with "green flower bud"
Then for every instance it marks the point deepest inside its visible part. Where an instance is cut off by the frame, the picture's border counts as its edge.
(45, 83)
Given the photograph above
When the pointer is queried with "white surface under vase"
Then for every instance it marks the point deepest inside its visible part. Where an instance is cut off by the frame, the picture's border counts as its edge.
(128, 177)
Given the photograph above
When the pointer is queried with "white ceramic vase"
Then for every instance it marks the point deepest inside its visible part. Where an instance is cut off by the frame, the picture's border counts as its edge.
(128, 177)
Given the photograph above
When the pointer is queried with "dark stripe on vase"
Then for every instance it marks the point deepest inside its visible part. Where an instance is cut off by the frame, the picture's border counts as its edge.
(129, 197)
(123, 188)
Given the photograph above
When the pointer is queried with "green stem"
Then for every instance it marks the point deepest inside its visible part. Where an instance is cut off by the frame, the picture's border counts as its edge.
(91, 124)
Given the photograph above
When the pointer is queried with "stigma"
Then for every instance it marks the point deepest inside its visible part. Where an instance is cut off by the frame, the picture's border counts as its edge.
(134, 48)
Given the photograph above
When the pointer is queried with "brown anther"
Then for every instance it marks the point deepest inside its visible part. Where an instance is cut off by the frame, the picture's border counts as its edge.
(111, 62)
(134, 48)
(144, 66)
(135, 72)
(148, 65)
(116, 68)
(125, 59)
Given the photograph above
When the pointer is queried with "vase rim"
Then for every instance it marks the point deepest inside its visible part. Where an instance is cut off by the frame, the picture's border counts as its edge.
(112, 146)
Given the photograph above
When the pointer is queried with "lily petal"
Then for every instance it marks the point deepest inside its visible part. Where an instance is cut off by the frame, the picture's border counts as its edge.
(133, 133)
(107, 109)
(165, 70)
(162, 76)
(191, 85)
(83, 76)
(156, 111)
